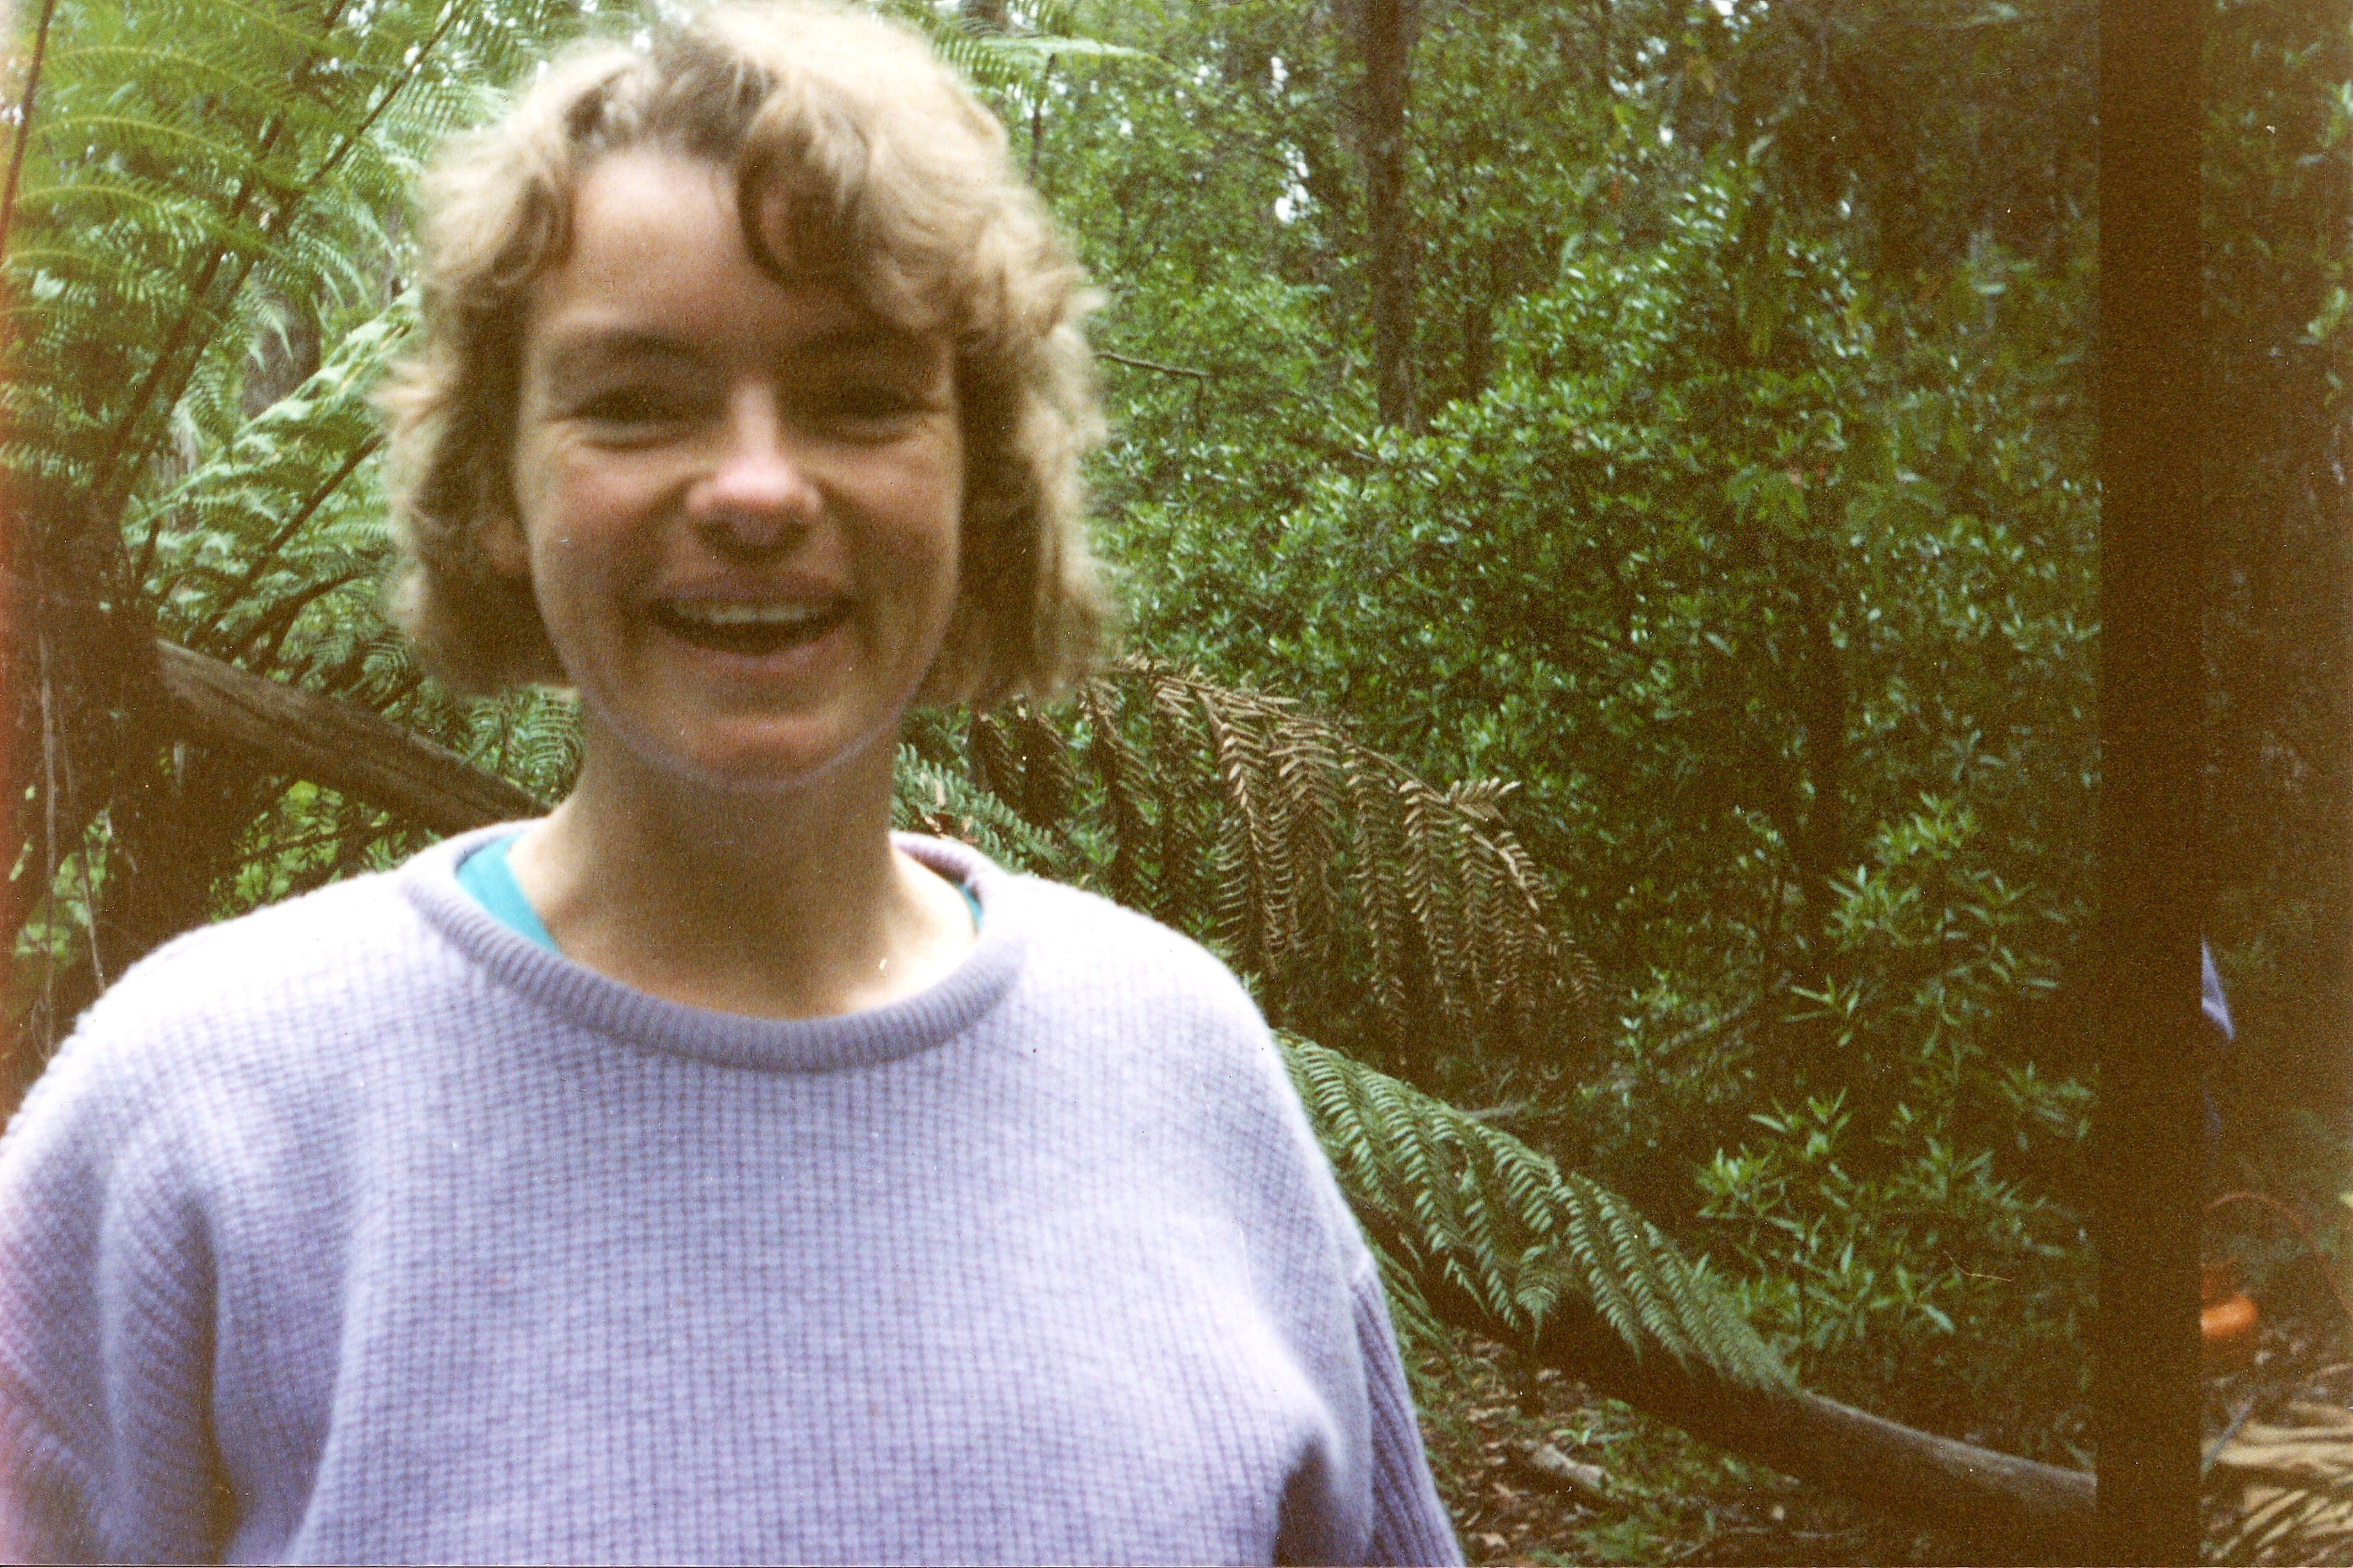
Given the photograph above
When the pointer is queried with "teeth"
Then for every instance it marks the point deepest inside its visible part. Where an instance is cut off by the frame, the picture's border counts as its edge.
(715, 613)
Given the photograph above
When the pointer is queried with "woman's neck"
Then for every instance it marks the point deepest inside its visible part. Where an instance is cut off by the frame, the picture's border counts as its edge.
(786, 904)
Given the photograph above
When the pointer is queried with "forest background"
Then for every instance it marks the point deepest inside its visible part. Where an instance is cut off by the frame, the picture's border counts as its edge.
(1609, 530)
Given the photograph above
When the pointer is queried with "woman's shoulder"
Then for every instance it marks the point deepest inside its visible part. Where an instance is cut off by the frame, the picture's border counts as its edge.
(1177, 1063)
(326, 938)
(1070, 933)
(1085, 941)
(1123, 988)
(214, 1004)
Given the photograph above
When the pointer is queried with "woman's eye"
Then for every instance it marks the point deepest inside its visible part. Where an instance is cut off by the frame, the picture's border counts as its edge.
(864, 406)
(631, 405)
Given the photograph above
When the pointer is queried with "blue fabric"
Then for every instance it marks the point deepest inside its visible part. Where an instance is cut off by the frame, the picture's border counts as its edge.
(487, 876)
(2211, 1001)
(2217, 1009)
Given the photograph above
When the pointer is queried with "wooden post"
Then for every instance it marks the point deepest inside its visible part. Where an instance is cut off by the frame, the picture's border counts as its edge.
(2151, 882)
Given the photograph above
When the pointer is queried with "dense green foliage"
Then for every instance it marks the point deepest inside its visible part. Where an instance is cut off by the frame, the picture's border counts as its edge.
(2278, 502)
(1748, 535)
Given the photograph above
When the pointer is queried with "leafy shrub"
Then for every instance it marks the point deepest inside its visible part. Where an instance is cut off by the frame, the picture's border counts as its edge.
(1908, 1239)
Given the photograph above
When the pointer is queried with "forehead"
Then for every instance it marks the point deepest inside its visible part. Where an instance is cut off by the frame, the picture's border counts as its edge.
(656, 256)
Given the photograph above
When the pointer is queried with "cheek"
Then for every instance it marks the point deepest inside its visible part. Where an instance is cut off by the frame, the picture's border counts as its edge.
(575, 514)
(944, 548)
(922, 546)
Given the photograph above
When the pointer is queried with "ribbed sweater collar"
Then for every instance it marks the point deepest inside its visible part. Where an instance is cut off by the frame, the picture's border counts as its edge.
(590, 1001)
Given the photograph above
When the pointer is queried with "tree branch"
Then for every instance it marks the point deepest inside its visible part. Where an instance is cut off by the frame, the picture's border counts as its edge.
(2005, 1508)
(337, 745)
(24, 124)
(1150, 364)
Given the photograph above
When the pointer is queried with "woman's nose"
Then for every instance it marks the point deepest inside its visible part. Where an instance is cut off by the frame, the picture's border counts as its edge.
(759, 494)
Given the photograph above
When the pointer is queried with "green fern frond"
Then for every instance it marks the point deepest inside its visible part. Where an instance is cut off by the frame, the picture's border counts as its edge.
(242, 534)
(1454, 1198)
(996, 61)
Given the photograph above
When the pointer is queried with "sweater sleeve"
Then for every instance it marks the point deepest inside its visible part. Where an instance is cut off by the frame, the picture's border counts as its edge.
(106, 1333)
(1409, 1522)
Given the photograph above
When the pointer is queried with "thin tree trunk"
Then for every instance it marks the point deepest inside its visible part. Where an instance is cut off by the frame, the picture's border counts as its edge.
(1392, 259)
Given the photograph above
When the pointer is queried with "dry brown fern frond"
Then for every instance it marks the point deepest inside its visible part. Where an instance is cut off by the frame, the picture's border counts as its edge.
(1122, 771)
(995, 759)
(1342, 883)
(1307, 801)
(1436, 882)
(1049, 779)
(1380, 886)
(1249, 873)
(2283, 1492)
(1181, 806)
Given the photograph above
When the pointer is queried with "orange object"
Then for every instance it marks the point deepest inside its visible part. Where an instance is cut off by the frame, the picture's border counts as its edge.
(2226, 1317)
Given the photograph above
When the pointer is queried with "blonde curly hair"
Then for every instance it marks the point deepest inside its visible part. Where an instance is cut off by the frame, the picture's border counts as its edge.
(860, 160)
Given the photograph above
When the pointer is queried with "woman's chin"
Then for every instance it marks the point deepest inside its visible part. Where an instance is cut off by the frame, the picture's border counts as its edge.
(772, 758)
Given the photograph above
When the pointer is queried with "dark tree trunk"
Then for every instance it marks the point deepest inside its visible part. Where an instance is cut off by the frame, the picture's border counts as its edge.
(1386, 43)
(2280, 589)
(2332, 501)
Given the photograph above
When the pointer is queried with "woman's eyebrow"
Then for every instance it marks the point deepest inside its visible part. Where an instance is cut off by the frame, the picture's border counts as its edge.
(872, 340)
(568, 359)
(597, 349)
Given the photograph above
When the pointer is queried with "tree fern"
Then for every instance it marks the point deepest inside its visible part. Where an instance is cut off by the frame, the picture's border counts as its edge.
(1406, 920)
(268, 517)
(204, 192)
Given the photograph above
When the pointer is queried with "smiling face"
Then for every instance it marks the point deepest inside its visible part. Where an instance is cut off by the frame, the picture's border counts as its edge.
(737, 500)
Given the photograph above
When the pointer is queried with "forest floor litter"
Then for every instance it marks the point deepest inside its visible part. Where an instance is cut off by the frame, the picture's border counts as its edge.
(1559, 1474)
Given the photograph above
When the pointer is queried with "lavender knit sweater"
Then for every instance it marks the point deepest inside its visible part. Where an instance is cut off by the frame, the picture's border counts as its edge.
(361, 1229)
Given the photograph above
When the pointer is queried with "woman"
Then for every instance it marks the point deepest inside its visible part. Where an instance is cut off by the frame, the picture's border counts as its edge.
(700, 1173)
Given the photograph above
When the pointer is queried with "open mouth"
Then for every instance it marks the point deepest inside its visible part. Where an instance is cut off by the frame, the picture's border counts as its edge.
(748, 628)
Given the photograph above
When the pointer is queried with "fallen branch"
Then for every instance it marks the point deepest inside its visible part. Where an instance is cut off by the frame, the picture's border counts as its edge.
(1548, 1464)
(336, 745)
(2005, 1508)
(1152, 364)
